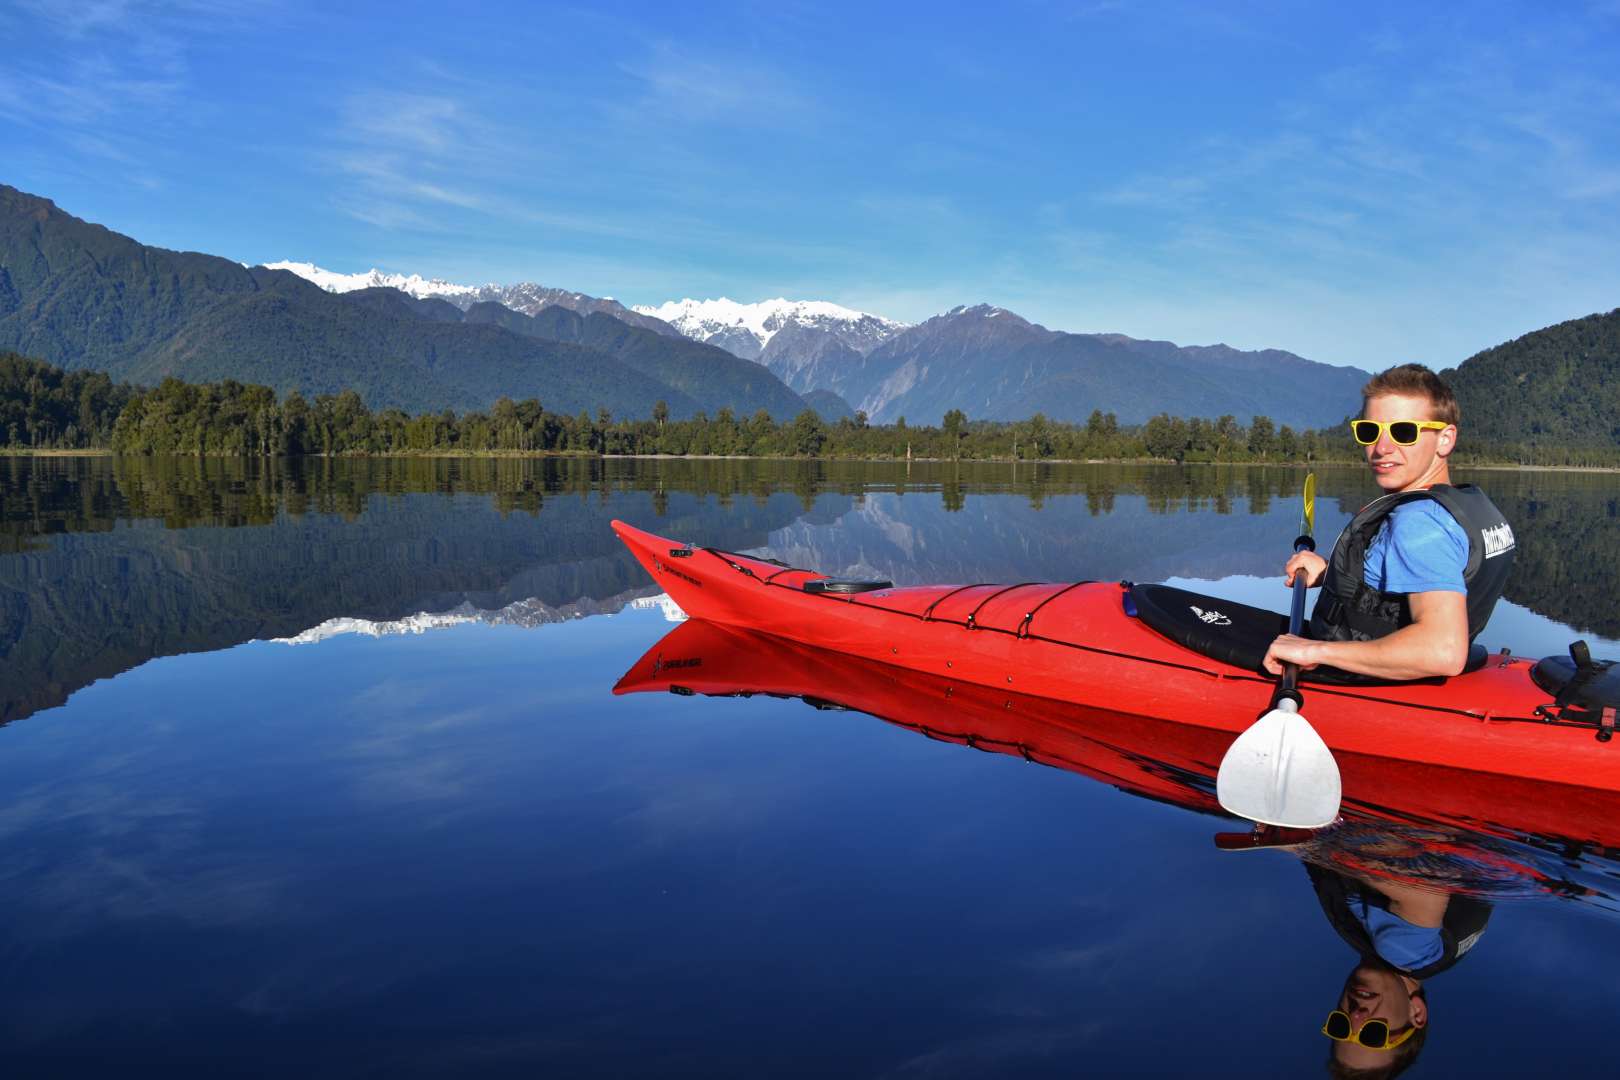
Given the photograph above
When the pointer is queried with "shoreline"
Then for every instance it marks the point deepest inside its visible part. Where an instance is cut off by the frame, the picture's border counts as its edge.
(25, 452)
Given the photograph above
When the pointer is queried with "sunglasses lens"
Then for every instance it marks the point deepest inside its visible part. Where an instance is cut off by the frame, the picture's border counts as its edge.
(1365, 431)
(1337, 1026)
(1374, 1034)
(1404, 432)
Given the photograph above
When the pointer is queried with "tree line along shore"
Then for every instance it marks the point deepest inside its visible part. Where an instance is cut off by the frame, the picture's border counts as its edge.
(47, 409)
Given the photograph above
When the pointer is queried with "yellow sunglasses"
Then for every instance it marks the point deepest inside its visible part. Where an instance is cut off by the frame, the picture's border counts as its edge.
(1374, 1034)
(1401, 432)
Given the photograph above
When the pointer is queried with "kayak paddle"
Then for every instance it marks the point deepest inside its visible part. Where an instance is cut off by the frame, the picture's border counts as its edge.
(1279, 771)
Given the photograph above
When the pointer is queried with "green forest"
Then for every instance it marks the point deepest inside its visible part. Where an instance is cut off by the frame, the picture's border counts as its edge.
(1558, 386)
(44, 408)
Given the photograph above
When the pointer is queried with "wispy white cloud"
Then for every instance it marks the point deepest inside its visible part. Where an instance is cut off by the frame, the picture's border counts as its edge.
(1169, 192)
(912, 211)
(684, 86)
(405, 156)
(77, 20)
(430, 124)
(111, 81)
(445, 157)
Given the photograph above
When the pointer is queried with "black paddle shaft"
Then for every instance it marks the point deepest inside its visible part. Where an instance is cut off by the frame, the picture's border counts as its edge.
(1296, 623)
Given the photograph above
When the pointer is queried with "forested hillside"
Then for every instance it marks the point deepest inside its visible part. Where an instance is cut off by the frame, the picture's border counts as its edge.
(1555, 387)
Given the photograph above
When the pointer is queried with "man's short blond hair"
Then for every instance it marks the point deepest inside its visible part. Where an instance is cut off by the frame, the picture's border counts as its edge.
(1414, 380)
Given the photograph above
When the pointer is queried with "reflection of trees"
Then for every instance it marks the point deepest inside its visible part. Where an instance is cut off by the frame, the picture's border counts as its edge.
(54, 495)
(1567, 524)
(1568, 561)
(1259, 491)
(1100, 498)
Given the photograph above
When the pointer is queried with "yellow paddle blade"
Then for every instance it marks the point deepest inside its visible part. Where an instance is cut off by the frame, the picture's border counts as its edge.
(1310, 505)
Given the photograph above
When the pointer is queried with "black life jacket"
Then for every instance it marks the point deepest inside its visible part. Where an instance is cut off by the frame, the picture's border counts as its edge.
(1460, 927)
(1350, 610)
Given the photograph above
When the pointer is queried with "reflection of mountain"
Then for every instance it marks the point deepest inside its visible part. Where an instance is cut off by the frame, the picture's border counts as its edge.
(85, 606)
(912, 540)
(525, 613)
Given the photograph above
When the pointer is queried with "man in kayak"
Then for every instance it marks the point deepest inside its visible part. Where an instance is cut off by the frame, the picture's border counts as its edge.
(1414, 576)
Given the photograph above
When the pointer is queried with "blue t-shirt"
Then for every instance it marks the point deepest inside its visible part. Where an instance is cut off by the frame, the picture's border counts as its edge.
(1399, 942)
(1419, 548)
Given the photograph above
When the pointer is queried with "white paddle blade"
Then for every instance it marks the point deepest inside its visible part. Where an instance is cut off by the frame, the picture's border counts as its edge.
(1280, 772)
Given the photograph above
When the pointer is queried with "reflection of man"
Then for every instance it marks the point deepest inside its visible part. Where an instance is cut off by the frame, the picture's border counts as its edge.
(1414, 576)
(1404, 934)
(1379, 1025)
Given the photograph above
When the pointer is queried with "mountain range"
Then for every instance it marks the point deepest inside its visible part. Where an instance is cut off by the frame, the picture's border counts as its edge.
(83, 297)
(992, 364)
(984, 360)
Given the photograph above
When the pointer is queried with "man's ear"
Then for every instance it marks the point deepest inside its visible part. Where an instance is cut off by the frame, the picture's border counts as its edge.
(1420, 1011)
(1446, 442)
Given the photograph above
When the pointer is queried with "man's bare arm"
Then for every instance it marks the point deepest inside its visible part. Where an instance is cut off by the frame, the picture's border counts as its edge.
(1435, 643)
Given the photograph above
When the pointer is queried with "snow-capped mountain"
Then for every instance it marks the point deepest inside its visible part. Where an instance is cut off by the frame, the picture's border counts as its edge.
(745, 329)
(525, 296)
(414, 284)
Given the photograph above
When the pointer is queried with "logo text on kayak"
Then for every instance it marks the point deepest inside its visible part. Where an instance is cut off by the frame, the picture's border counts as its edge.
(664, 568)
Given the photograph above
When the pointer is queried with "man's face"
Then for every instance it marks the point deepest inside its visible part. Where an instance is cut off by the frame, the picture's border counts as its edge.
(1403, 468)
(1377, 993)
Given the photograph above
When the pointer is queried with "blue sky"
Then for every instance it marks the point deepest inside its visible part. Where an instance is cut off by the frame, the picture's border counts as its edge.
(1361, 184)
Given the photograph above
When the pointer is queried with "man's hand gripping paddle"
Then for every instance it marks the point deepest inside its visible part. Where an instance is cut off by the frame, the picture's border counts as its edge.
(1280, 772)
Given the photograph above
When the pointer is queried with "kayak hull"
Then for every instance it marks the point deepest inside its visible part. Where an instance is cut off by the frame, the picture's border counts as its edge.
(1076, 643)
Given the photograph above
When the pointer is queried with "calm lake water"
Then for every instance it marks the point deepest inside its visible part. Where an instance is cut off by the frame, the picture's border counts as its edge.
(316, 768)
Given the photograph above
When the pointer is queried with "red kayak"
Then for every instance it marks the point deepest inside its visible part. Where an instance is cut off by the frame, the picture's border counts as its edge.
(1159, 653)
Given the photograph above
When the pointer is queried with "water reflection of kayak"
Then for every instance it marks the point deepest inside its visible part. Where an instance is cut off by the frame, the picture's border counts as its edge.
(1427, 826)
(1488, 746)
